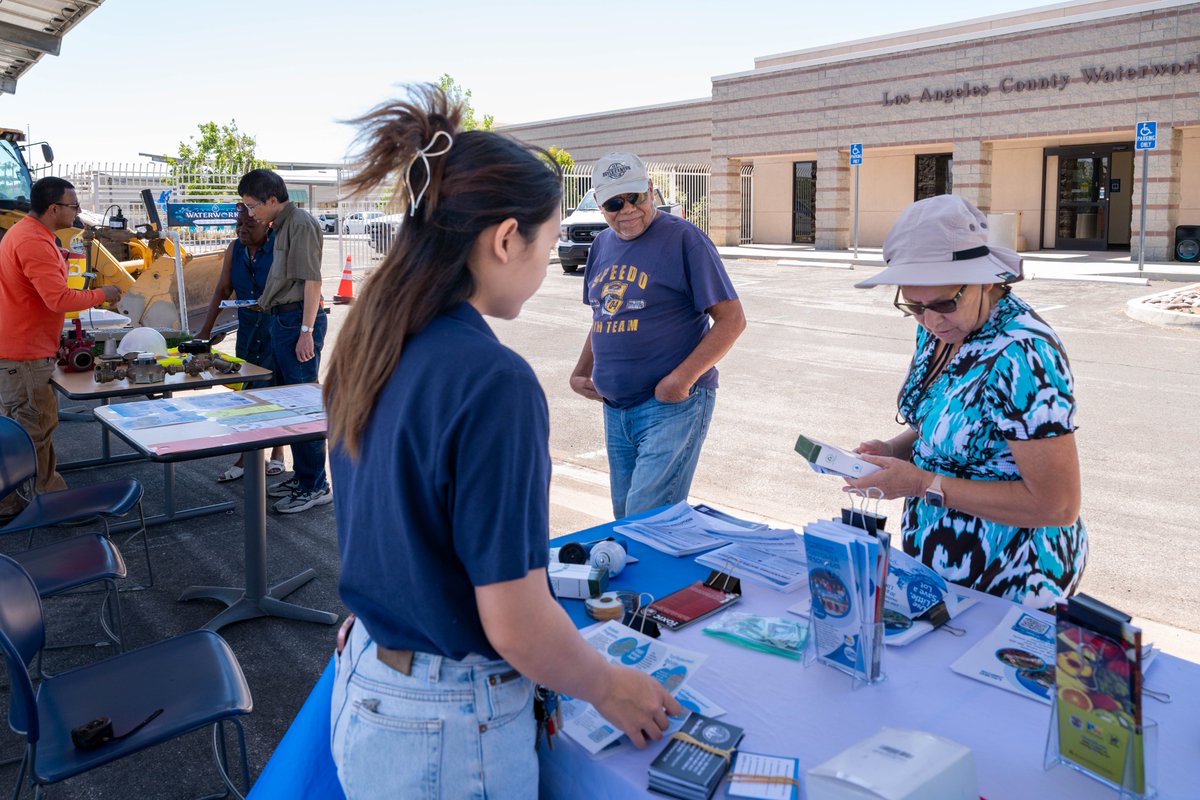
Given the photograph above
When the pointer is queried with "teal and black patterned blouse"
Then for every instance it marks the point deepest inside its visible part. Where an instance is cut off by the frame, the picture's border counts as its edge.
(1009, 381)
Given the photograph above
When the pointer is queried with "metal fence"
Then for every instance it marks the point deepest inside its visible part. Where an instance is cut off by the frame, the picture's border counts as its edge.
(685, 184)
(746, 235)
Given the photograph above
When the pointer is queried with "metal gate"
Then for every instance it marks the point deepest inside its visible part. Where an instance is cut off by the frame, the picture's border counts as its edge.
(746, 236)
(804, 202)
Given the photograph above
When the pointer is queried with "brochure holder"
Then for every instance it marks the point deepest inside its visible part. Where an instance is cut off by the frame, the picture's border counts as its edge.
(1127, 788)
(1139, 764)
(858, 679)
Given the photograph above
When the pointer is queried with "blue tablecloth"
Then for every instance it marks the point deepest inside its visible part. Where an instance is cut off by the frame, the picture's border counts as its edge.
(302, 766)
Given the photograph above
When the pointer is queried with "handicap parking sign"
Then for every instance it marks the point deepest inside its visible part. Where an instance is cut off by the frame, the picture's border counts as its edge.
(1146, 134)
(855, 154)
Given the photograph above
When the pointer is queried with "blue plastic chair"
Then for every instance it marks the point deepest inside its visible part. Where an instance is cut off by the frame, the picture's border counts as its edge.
(194, 678)
(107, 500)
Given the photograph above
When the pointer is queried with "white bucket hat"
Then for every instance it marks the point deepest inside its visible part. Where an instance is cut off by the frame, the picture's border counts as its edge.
(619, 173)
(940, 241)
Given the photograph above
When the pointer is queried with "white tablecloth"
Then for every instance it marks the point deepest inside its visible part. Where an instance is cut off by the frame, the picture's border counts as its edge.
(812, 713)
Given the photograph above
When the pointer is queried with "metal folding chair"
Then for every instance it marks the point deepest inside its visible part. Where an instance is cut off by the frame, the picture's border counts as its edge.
(192, 681)
(105, 501)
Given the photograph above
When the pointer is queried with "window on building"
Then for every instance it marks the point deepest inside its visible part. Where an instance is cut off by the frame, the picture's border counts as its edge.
(934, 175)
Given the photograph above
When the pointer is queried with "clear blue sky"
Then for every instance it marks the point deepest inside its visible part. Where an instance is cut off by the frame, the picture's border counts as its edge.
(139, 75)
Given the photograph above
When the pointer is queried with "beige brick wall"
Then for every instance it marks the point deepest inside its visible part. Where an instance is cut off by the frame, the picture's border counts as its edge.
(775, 115)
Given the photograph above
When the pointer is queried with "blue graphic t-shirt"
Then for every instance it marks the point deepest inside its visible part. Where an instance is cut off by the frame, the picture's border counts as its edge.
(1009, 381)
(650, 299)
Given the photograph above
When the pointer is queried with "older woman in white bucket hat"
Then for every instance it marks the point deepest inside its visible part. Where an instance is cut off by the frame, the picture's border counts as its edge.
(987, 461)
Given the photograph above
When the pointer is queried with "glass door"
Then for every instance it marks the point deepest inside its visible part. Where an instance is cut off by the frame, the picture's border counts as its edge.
(1081, 219)
(804, 202)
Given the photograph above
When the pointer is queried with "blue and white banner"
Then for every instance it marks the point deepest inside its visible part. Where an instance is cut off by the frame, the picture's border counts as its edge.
(201, 215)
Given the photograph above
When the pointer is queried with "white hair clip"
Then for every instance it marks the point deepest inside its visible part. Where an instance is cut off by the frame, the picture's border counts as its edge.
(425, 153)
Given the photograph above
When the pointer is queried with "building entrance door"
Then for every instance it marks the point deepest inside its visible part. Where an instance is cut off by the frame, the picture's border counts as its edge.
(1090, 191)
(804, 202)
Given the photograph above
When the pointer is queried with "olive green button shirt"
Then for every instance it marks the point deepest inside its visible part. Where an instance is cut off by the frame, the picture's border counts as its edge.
(297, 257)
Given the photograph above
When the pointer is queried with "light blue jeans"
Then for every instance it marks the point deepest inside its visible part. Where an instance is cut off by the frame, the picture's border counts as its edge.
(452, 729)
(653, 449)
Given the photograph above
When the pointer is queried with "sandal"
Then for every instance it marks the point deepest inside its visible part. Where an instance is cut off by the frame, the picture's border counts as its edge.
(274, 467)
(231, 474)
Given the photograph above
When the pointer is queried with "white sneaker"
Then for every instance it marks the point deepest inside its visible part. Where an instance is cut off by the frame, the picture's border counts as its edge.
(302, 501)
(283, 488)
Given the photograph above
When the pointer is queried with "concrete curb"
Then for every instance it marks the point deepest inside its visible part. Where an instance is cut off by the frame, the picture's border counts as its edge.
(1092, 278)
(1137, 309)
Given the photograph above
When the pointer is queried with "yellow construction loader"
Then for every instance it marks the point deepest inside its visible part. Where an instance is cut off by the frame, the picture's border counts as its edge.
(142, 263)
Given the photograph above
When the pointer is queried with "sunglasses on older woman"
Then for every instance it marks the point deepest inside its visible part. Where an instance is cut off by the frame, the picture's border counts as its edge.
(615, 204)
(948, 306)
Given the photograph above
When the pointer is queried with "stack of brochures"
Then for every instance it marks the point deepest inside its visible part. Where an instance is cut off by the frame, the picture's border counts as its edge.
(695, 759)
(682, 530)
(779, 563)
(847, 572)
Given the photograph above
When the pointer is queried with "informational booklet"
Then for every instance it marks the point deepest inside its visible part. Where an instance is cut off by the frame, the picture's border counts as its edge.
(1017, 655)
(670, 666)
(695, 758)
(783, 568)
(682, 530)
(764, 777)
(847, 568)
(915, 598)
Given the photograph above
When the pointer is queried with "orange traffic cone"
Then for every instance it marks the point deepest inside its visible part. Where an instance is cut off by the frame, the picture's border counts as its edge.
(345, 291)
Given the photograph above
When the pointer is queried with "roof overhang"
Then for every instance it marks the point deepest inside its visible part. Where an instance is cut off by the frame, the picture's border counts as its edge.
(30, 29)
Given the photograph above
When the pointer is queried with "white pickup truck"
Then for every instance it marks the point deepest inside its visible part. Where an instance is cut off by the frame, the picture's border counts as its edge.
(583, 224)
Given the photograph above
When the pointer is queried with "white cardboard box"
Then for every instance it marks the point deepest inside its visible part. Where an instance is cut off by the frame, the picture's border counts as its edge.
(579, 581)
(896, 764)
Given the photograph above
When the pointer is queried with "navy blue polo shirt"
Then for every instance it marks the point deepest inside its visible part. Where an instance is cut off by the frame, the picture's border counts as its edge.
(450, 489)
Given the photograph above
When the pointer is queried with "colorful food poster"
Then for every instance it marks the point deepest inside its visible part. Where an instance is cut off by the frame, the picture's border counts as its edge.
(1100, 702)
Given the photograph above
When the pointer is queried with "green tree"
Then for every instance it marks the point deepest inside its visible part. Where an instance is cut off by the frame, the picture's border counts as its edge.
(205, 165)
(561, 157)
(462, 96)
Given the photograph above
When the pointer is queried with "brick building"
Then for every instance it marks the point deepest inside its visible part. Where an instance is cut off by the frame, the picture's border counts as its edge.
(1030, 112)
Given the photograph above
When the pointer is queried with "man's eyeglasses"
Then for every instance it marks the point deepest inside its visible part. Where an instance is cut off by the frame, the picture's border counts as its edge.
(615, 204)
(939, 306)
(248, 206)
(68, 205)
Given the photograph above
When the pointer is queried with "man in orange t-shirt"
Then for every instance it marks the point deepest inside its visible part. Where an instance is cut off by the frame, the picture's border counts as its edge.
(34, 299)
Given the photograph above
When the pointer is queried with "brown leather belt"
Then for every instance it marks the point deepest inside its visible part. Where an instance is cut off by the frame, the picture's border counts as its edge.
(399, 660)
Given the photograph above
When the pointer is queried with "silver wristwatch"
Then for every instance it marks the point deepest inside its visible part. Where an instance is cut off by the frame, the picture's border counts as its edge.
(305, 329)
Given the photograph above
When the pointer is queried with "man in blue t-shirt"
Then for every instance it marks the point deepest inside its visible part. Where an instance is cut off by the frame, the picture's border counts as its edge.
(653, 281)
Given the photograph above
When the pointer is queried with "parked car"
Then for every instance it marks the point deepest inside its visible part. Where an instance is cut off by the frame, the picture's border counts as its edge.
(382, 231)
(584, 223)
(357, 222)
(328, 220)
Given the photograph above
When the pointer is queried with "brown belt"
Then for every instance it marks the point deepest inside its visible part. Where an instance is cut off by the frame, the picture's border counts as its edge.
(399, 660)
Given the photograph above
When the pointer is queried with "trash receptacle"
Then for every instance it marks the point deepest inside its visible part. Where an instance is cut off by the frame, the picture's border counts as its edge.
(1085, 225)
(1003, 227)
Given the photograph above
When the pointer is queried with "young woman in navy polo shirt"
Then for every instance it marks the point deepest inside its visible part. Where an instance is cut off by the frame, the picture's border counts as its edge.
(441, 473)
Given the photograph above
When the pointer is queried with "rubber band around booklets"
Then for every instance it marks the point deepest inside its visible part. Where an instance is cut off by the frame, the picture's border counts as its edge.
(749, 777)
(708, 748)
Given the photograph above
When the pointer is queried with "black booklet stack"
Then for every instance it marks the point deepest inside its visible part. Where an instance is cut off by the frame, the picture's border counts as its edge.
(695, 759)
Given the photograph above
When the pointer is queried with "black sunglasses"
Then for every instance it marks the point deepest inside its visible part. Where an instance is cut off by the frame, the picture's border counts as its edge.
(615, 204)
(938, 306)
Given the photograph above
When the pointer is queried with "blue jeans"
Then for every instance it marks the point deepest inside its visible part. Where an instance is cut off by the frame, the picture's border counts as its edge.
(452, 729)
(653, 449)
(308, 458)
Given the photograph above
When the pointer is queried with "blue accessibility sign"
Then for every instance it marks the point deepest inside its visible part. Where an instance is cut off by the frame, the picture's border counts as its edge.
(1146, 134)
(855, 154)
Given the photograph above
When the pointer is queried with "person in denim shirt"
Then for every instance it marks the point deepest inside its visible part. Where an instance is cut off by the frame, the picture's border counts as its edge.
(292, 296)
(439, 438)
(654, 281)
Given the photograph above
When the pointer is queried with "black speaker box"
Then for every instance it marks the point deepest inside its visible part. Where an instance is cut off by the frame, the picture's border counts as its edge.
(1187, 243)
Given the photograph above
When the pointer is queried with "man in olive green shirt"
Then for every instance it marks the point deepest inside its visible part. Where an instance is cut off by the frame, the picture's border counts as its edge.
(292, 296)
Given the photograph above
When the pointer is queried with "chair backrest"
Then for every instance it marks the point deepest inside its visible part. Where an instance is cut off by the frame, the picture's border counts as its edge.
(18, 460)
(22, 635)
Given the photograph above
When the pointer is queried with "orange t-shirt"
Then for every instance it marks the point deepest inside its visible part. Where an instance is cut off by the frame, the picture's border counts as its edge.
(33, 292)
